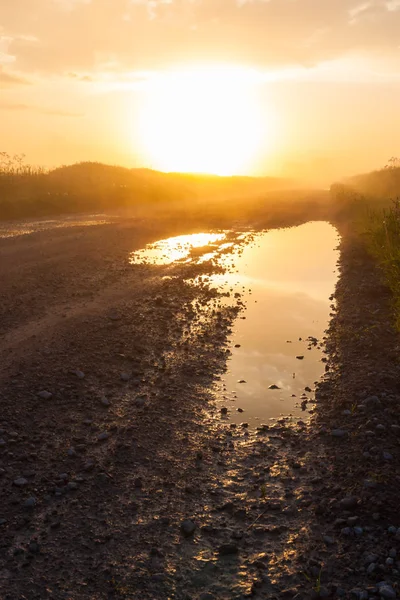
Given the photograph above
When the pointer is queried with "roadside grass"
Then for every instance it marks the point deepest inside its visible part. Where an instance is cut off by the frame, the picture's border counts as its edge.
(376, 222)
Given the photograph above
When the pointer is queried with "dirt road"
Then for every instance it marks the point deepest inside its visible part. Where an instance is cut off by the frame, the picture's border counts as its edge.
(119, 477)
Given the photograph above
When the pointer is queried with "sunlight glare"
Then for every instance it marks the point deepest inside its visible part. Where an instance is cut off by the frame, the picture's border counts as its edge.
(202, 121)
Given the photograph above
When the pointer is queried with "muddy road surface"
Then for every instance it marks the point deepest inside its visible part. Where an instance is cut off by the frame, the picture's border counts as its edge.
(143, 454)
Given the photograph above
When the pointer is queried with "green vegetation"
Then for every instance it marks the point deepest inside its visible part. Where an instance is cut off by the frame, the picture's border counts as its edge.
(370, 205)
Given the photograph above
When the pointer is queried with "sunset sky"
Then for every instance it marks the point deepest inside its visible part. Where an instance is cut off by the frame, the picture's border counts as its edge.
(299, 88)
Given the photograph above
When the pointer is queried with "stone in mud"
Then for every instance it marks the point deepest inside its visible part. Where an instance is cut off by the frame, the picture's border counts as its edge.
(30, 503)
(274, 387)
(339, 433)
(79, 374)
(20, 482)
(228, 549)
(45, 395)
(387, 456)
(329, 541)
(386, 591)
(349, 502)
(140, 402)
(371, 402)
(113, 315)
(188, 527)
(88, 466)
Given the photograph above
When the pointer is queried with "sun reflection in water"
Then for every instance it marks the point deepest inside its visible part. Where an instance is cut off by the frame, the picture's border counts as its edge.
(165, 252)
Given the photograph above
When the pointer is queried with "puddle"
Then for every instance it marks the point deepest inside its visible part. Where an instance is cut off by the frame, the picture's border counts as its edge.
(285, 277)
(185, 248)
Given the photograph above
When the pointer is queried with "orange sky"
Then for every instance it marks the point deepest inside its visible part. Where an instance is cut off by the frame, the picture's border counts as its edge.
(305, 88)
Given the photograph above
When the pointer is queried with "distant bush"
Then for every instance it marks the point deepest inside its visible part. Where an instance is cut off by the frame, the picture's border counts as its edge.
(382, 184)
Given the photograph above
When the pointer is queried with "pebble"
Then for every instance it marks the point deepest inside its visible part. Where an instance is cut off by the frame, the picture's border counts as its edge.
(71, 452)
(329, 541)
(140, 402)
(79, 374)
(274, 387)
(389, 561)
(224, 410)
(20, 482)
(346, 413)
(3, 521)
(371, 568)
(371, 558)
(386, 590)
(188, 527)
(380, 427)
(349, 502)
(125, 377)
(30, 503)
(103, 436)
(228, 549)
(393, 553)
(387, 456)
(372, 400)
(339, 433)
(104, 401)
(358, 530)
(392, 530)
(45, 395)
(300, 357)
(2, 442)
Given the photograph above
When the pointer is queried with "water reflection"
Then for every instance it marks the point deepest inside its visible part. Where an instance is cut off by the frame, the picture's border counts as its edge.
(290, 275)
(165, 252)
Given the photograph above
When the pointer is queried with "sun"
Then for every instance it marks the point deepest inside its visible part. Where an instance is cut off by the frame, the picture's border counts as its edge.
(202, 121)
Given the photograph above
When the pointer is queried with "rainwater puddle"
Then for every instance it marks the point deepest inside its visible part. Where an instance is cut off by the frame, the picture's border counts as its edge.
(185, 248)
(285, 277)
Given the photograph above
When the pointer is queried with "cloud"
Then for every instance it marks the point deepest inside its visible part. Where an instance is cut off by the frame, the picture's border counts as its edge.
(80, 77)
(10, 80)
(84, 35)
(38, 109)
